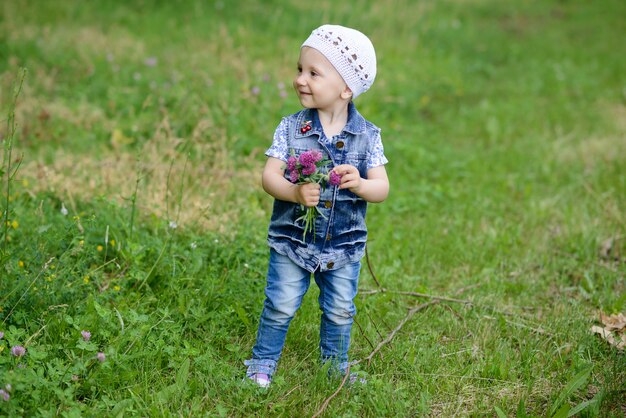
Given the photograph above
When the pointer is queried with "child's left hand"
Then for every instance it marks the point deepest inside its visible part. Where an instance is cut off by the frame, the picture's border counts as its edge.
(350, 177)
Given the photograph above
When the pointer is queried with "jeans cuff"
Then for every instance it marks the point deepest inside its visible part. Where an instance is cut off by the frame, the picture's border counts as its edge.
(260, 366)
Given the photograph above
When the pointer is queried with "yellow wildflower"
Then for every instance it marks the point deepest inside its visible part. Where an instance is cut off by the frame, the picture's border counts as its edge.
(99, 248)
(81, 242)
(20, 263)
(112, 243)
(116, 288)
(15, 224)
(86, 279)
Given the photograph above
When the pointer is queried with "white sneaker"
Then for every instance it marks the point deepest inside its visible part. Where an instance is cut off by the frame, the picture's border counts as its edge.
(261, 379)
(355, 378)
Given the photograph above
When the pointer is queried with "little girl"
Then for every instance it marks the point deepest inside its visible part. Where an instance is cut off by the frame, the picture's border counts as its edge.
(336, 65)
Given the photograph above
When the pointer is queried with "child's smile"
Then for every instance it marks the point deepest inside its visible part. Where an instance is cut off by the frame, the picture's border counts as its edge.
(317, 83)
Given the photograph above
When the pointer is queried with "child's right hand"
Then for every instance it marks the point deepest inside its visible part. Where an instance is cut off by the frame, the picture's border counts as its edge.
(308, 194)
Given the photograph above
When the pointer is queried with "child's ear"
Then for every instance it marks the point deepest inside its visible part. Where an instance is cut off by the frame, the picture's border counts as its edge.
(346, 93)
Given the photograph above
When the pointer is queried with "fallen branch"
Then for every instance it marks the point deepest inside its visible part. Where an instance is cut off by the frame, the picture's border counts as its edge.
(362, 332)
(393, 333)
(375, 325)
(517, 324)
(369, 267)
(441, 298)
(390, 337)
(330, 398)
(416, 294)
(364, 292)
(290, 392)
(408, 316)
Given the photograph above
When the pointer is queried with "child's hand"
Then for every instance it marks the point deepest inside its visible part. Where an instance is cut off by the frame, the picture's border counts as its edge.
(308, 194)
(350, 177)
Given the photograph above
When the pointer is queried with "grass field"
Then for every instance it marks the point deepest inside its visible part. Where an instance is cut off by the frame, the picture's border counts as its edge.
(132, 208)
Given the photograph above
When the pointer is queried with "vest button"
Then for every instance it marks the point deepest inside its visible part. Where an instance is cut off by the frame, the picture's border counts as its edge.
(330, 265)
(327, 237)
(328, 204)
(339, 144)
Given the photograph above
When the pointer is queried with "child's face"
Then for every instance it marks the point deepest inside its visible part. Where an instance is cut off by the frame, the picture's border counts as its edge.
(318, 84)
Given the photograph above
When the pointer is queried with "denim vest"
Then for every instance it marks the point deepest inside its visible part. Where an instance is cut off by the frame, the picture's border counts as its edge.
(340, 234)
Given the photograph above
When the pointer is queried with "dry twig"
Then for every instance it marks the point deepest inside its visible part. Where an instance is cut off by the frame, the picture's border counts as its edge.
(362, 332)
(330, 398)
(375, 325)
(393, 333)
(409, 315)
(518, 324)
(416, 294)
(441, 298)
(369, 267)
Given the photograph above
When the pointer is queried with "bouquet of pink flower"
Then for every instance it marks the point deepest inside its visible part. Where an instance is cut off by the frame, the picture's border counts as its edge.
(305, 168)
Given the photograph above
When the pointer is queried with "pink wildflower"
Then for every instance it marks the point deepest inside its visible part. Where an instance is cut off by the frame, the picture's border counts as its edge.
(151, 61)
(4, 395)
(291, 163)
(18, 351)
(334, 178)
(1, 335)
(309, 169)
(101, 357)
(86, 335)
(316, 155)
(304, 169)
(307, 159)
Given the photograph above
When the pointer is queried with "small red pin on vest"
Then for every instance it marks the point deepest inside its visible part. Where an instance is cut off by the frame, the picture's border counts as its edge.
(306, 126)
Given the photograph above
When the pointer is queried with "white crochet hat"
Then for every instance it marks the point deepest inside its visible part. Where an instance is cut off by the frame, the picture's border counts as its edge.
(350, 52)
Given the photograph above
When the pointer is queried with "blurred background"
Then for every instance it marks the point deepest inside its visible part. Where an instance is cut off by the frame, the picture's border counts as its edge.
(137, 151)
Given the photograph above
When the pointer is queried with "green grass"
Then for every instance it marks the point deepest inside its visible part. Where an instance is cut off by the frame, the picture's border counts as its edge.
(504, 124)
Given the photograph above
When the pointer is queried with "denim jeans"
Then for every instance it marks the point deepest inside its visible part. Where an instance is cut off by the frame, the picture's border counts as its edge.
(286, 285)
